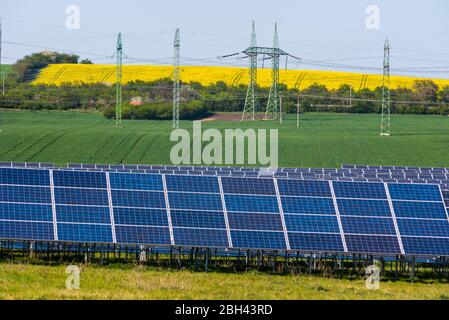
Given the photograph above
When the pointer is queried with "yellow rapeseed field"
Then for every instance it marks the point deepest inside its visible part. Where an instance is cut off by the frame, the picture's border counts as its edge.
(80, 73)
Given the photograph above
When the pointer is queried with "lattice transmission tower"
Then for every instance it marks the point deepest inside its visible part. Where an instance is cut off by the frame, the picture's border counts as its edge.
(274, 53)
(118, 82)
(385, 129)
(273, 98)
(176, 79)
(249, 109)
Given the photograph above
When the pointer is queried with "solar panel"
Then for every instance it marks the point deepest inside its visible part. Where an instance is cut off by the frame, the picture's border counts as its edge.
(139, 209)
(223, 212)
(253, 213)
(310, 215)
(81, 207)
(366, 218)
(25, 205)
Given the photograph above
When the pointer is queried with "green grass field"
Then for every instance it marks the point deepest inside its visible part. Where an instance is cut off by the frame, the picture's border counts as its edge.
(22, 281)
(323, 140)
(6, 68)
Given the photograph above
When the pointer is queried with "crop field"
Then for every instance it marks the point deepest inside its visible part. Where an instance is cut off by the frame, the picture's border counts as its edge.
(27, 281)
(322, 140)
(6, 68)
(80, 73)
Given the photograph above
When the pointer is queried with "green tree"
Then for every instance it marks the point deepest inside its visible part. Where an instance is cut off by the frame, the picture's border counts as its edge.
(443, 94)
(426, 90)
(27, 68)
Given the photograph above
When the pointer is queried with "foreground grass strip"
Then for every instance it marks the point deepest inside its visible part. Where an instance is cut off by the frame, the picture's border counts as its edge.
(24, 281)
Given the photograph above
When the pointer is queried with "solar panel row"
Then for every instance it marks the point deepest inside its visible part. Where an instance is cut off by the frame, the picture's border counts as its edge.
(223, 212)
(345, 168)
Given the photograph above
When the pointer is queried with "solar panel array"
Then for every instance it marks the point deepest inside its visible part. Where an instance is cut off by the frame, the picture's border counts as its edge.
(399, 174)
(223, 212)
(348, 172)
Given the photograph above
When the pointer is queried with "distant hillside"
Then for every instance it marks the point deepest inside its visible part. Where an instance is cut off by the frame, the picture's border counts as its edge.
(80, 73)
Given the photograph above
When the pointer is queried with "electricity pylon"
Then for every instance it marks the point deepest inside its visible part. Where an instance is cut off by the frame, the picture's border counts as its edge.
(118, 83)
(176, 79)
(385, 129)
(273, 98)
(274, 54)
(249, 109)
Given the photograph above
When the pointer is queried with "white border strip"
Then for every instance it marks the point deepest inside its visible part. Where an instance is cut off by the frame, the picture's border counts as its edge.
(281, 212)
(337, 213)
(167, 206)
(53, 205)
(444, 202)
(395, 222)
(111, 208)
(225, 212)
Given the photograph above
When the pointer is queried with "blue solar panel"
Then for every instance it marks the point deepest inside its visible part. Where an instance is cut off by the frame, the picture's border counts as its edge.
(304, 188)
(196, 201)
(308, 205)
(82, 214)
(372, 244)
(414, 192)
(248, 186)
(24, 177)
(258, 240)
(22, 211)
(200, 237)
(197, 219)
(79, 179)
(251, 203)
(25, 194)
(91, 197)
(135, 216)
(373, 208)
(142, 235)
(426, 246)
(192, 183)
(407, 209)
(359, 190)
(367, 225)
(140, 199)
(315, 242)
(140, 215)
(135, 181)
(423, 228)
(254, 221)
(77, 232)
(25, 230)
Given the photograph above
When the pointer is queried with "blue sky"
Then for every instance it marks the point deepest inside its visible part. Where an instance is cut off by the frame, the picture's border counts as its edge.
(324, 30)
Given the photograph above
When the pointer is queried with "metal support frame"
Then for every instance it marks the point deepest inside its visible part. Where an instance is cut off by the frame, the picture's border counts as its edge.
(118, 82)
(176, 79)
(385, 126)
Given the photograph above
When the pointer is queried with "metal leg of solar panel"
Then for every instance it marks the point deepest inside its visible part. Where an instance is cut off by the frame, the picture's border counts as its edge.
(206, 267)
(413, 265)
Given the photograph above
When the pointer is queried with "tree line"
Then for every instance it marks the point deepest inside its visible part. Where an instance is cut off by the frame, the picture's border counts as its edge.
(153, 100)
